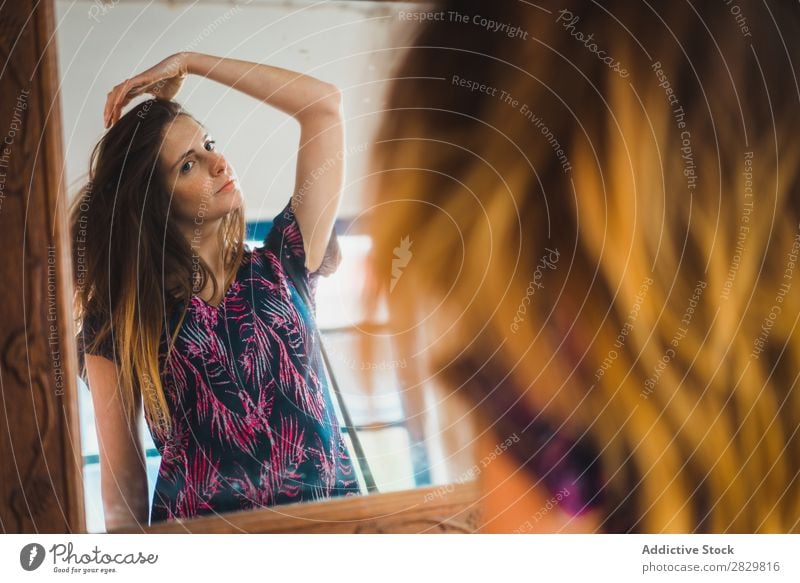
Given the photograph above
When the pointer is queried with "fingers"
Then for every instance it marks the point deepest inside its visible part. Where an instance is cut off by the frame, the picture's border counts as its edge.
(117, 98)
(111, 101)
(119, 101)
(121, 94)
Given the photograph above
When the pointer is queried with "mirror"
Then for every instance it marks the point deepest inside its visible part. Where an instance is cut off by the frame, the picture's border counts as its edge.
(407, 443)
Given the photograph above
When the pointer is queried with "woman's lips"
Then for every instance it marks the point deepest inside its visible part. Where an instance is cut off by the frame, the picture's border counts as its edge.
(227, 186)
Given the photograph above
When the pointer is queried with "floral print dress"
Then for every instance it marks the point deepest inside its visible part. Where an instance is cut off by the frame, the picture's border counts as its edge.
(253, 423)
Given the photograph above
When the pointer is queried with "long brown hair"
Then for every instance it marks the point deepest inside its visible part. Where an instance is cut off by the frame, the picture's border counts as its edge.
(607, 197)
(132, 264)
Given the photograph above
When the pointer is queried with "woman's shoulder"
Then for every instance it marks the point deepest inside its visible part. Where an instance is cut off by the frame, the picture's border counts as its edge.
(92, 324)
(284, 241)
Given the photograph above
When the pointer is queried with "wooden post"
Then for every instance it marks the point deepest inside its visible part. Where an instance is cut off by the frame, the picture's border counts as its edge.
(40, 475)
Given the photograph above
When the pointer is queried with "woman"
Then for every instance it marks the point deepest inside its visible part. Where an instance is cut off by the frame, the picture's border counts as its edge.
(181, 320)
(601, 204)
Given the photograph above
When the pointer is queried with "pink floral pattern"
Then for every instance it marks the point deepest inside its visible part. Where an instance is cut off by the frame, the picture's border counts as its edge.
(253, 420)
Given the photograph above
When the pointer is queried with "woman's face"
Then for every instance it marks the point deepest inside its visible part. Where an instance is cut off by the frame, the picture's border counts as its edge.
(196, 173)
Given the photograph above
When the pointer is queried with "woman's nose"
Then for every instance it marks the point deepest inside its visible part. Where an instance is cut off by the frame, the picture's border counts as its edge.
(220, 164)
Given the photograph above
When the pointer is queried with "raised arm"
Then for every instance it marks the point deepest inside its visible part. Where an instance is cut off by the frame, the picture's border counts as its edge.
(316, 105)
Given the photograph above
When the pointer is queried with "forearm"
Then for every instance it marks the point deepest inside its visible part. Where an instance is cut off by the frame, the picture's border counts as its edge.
(125, 505)
(288, 91)
(123, 483)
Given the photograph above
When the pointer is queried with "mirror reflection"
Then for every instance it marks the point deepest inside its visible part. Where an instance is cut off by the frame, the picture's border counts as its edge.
(215, 156)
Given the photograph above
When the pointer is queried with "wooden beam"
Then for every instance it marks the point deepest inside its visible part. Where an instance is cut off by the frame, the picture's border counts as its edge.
(450, 508)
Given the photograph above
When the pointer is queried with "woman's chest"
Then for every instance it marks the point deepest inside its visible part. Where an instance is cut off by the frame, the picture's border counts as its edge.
(261, 334)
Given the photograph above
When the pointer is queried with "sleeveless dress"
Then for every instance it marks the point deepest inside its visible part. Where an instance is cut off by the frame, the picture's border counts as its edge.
(253, 423)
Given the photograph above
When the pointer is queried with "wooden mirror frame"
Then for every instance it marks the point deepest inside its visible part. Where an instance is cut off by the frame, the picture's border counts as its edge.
(42, 483)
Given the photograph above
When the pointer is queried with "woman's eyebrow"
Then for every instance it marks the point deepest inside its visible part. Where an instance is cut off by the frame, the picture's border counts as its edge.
(187, 153)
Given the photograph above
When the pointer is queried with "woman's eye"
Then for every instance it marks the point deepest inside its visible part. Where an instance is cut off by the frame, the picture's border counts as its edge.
(185, 168)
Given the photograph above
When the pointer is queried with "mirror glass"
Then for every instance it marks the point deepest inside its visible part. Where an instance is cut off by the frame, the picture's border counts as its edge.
(407, 443)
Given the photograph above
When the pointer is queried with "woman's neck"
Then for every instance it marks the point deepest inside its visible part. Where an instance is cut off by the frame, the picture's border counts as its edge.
(205, 244)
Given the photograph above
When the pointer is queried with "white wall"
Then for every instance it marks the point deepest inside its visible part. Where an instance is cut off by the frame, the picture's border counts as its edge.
(346, 43)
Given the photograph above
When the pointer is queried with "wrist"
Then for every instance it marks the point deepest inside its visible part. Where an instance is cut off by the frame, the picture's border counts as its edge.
(190, 62)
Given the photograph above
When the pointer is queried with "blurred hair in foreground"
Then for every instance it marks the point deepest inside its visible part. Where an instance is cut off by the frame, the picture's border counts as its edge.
(608, 231)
